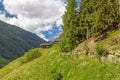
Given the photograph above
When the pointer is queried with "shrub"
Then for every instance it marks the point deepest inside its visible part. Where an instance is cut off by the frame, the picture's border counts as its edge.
(100, 50)
(32, 54)
(56, 75)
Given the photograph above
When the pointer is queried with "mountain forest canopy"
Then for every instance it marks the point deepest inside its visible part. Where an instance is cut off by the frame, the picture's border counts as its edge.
(14, 42)
(93, 16)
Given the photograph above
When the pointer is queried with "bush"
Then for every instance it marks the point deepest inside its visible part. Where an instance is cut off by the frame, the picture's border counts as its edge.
(100, 49)
(32, 54)
(56, 75)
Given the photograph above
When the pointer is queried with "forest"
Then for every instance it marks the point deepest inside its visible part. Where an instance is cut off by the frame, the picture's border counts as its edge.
(91, 19)
(14, 42)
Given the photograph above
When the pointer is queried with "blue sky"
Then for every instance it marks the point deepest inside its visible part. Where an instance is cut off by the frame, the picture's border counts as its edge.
(4, 11)
(45, 22)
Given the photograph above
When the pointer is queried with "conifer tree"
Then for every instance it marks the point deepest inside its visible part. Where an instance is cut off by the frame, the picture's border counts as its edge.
(68, 40)
(94, 16)
(97, 14)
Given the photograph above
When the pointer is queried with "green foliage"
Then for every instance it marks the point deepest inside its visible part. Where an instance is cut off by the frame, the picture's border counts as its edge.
(111, 42)
(3, 62)
(56, 75)
(101, 50)
(32, 54)
(69, 37)
(96, 15)
(14, 41)
(28, 56)
(60, 67)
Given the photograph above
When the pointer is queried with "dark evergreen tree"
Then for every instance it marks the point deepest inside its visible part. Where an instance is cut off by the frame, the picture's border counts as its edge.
(68, 40)
(93, 18)
(97, 15)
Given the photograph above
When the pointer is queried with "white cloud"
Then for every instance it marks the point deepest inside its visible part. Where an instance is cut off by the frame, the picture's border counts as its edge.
(49, 32)
(34, 15)
(42, 36)
(0, 12)
(59, 22)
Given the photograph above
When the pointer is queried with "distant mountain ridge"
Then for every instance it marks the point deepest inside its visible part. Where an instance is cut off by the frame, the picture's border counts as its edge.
(14, 41)
(56, 38)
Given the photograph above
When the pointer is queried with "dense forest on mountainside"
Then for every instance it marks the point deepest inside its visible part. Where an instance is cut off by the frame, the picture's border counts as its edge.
(14, 41)
(94, 17)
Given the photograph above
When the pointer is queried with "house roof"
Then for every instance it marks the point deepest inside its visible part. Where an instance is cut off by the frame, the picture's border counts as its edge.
(45, 44)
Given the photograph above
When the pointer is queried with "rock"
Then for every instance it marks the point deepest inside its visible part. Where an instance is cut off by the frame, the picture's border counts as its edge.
(78, 51)
(111, 57)
(118, 26)
(117, 53)
(111, 52)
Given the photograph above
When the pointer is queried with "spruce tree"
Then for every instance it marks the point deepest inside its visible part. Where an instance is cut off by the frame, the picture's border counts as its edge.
(96, 15)
(68, 40)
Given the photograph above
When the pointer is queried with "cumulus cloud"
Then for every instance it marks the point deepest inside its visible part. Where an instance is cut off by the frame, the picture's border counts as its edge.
(42, 36)
(0, 12)
(34, 15)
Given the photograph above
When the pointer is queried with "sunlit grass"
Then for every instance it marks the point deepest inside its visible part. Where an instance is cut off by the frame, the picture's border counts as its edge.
(53, 66)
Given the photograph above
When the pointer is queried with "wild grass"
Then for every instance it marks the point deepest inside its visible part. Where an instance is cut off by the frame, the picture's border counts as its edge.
(50, 64)
(29, 56)
(53, 66)
(111, 42)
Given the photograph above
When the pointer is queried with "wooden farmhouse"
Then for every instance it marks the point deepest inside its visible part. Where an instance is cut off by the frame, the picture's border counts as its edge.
(45, 45)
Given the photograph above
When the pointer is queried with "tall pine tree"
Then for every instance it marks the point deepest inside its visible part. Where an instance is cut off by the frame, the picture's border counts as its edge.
(96, 15)
(68, 40)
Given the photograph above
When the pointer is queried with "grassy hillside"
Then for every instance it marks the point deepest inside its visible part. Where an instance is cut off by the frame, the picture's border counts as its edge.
(112, 41)
(15, 41)
(50, 64)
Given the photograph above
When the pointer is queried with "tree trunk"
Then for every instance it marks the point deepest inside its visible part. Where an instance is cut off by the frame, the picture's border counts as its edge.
(87, 37)
(119, 8)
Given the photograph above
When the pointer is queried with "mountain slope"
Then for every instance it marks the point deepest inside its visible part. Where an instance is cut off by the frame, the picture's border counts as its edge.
(56, 38)
(52, 66)
(14, 41)
(48, 64)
